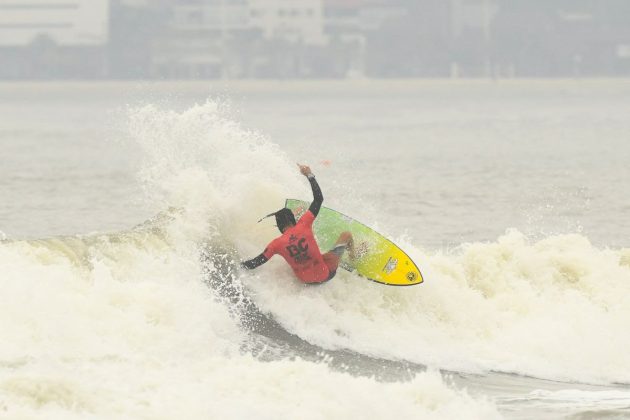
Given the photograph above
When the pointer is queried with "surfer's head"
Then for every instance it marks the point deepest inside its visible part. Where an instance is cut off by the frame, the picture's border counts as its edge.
(284, 219)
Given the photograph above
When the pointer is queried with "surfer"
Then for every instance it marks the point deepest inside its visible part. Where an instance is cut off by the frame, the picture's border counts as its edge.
(297, 244)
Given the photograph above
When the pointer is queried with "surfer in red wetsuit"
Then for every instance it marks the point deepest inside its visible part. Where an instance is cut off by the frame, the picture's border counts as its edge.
(297, 244)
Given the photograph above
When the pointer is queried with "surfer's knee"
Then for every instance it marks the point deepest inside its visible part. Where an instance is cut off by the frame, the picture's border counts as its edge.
(345, 237)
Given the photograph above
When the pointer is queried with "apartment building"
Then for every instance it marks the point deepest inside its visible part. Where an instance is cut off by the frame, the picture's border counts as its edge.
(64, 22)
(297, 21)
(236, 38)
(53, 38)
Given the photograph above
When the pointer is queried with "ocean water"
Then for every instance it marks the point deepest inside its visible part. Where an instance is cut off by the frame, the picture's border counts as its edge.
(120, 200)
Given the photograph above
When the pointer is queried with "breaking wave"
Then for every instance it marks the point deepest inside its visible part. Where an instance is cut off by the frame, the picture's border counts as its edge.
(125, 323)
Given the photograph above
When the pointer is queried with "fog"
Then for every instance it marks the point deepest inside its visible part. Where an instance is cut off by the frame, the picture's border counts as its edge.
(300, 39)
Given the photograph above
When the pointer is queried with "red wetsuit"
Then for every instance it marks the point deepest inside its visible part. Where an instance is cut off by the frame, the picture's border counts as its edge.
(298, 247)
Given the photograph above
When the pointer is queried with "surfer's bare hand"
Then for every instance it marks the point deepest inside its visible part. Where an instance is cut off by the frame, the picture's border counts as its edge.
(305, 170)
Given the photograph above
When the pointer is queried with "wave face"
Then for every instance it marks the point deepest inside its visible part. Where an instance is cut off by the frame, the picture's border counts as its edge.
(123, 325)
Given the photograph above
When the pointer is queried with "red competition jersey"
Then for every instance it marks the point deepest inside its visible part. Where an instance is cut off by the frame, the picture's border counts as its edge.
(298, 247)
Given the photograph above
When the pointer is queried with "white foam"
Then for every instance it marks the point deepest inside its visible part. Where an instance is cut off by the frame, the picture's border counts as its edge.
(110, 329)
(551, 309)
(122, 326)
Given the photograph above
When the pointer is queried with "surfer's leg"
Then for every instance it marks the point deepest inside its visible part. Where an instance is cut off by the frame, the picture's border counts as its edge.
(333, 257)
(347, 240)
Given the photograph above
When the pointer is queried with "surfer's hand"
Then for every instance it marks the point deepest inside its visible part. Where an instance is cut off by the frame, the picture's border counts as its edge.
(305, 170)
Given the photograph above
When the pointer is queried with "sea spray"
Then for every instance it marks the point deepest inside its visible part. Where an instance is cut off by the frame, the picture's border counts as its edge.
(123, 324)
(510, 305)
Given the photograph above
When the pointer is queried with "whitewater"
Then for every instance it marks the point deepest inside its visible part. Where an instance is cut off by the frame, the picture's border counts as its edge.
(127, 209)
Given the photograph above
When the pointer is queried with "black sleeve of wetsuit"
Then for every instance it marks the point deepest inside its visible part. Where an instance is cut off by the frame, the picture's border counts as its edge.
(318, 198)
(254, 262)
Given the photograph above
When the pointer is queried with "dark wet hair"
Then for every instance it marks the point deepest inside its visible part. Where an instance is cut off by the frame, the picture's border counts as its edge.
(284, 218)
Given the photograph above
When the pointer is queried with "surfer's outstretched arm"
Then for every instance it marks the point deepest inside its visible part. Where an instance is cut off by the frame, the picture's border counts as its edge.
(318, 197)
(255, 262)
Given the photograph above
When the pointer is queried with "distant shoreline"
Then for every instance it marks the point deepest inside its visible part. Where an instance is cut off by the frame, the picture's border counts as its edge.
(296, 84)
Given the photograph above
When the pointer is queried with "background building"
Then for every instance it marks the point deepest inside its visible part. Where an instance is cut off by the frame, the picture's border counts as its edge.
(174, 39)
(49, 38)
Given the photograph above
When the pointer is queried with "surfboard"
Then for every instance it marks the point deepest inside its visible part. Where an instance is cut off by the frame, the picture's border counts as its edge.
(378, 259)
